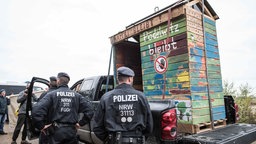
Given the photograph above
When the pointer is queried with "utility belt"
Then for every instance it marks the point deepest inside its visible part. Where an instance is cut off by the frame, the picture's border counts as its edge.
(132, 137)
(55, 125)
(59, 125)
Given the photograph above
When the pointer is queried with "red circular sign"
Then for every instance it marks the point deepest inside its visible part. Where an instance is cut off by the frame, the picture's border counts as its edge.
(160, 64)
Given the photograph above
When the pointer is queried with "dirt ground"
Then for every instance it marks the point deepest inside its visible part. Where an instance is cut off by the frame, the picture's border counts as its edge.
(7, 139)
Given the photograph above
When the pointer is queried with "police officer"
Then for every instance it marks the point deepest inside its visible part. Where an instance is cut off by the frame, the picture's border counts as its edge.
(43, 138)
(62, 107)
(123, 115)
(53, 86)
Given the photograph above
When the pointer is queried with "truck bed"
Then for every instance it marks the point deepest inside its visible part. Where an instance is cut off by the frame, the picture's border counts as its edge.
(230, 134)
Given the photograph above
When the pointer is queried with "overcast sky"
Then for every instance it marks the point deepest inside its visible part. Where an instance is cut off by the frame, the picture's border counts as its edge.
(43, 37)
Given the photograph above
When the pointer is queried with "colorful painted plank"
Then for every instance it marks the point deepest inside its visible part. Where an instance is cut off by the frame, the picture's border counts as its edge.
(196, 51)
(210, 36)
(217, 95)
(195, 73)
(207, 20)
(193, 20)
(193, 13)
(195, 37)
(177, 72)
(194, 112)
(214, 75)
(165, 42)
(213, 55)
(212, 48)
(198, 81)
(177, 79)
(210, 31)
(161, 32)
(215, 88)
(200, 103)
(217, 102)
(199, 96)
(195, 120)
(213, 61)
(213, 68)
(170, 47)
(180, 85)
(197, 59)
(196, 88)
(195, 31)
(210, 27)
(219, 116)
(171, 67)
(215, 82)
(197, 66)
(211, 42)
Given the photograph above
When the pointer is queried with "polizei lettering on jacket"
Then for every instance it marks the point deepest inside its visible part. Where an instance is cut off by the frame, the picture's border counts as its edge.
(65, 101)
(125, 98)
(66, 94)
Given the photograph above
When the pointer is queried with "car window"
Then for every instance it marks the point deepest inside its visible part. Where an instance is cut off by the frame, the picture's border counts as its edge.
(87, 85)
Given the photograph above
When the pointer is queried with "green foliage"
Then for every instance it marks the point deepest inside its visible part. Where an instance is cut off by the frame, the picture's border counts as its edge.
(246, 113)
(228, 88)
(246, 91)
(245, 98)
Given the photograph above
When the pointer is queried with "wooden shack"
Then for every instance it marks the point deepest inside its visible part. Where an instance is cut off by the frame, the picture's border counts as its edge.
(175, 55)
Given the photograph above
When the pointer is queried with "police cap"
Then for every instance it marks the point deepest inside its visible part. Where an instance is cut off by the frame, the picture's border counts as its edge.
(53, 78)
(2, 90)
(125, 71)
(63, 74)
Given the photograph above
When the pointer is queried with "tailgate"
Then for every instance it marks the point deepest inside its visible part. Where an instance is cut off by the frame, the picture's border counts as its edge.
(230, 134)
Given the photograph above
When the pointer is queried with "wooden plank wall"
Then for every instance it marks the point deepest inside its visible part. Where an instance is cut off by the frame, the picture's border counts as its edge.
(214, 69)
(154, 43)
(192, 65)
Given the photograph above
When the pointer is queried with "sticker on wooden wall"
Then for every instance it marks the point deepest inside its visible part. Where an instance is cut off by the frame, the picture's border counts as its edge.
(160, 64)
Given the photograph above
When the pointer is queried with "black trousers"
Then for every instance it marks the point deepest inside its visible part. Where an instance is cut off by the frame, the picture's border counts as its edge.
(43, 138)
(20, 122)
(63, 135)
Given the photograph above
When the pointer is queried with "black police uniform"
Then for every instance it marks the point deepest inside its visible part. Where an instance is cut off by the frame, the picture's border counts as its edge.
(62, 107)
(123, 112)
(43, 137)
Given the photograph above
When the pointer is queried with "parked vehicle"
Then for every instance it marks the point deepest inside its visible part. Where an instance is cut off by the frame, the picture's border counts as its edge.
(15, 88)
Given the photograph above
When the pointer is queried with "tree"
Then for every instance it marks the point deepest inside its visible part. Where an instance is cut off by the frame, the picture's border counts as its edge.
(228, 88)
(246, 91)
(244, 101)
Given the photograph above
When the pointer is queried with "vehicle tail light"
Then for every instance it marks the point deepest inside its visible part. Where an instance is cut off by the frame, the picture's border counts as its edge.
(169, 125)
(237, 109)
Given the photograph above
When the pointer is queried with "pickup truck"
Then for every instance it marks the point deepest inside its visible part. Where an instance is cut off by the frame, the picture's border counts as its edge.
(92, 88)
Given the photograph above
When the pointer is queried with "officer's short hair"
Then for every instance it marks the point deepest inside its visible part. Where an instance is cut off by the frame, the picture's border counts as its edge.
(63, 74)
(63, 78)
(122, 78)
(53, 78)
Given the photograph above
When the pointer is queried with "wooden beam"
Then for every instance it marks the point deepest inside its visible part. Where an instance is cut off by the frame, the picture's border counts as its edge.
(192, 3)
(145, 25)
